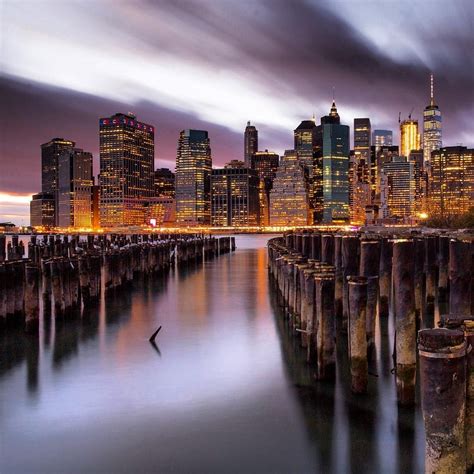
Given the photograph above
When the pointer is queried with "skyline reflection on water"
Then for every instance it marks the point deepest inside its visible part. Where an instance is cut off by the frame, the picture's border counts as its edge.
(226, 389)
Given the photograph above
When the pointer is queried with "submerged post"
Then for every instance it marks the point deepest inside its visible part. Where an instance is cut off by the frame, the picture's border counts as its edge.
(459, 276)
(357, 335)
(443, 399)
(405, 320)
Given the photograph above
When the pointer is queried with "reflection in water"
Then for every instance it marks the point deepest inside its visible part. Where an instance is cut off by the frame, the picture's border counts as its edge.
(225, 387)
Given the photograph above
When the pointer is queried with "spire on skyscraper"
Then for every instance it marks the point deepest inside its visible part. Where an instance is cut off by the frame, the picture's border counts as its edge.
(431, 90)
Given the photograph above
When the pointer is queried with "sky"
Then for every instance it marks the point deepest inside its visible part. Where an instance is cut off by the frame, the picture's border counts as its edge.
(213, 65)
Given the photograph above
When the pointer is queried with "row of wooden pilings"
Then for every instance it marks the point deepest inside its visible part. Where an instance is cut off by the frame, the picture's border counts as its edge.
(65, 273)
(347, 280)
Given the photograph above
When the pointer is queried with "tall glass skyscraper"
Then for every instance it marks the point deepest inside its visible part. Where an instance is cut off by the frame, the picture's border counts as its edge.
(75, 188)
(127, 153)
(50, 153)
(382, 138)
(250, 143)
(409, 137)
(193, 178)
(432, 128)
(332, 140)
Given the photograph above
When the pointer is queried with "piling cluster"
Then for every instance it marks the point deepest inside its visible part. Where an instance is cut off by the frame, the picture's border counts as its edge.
(332, 287)
(66, 273)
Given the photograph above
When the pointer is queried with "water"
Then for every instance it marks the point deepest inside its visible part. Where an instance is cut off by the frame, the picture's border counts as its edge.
(226, 388)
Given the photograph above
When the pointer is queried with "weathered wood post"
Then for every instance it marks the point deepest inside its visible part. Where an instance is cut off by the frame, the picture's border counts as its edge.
(405, 320)
(10, 290)
(307, 306)
(326, 325)
(3, 248)
(385, 276)
(316, 246)
(443, 398)
(430, 272)
(459, 276)
(56, 287)
(327, 249)
(32, 298)
(443, 266)
(369, 268)
(19, 268)
(350, 267)
(338, 277)
(84, 279)
(305, 245)
(357, 333)
(419, 270)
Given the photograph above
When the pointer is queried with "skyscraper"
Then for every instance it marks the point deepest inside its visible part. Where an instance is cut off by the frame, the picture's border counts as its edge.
(50, 152)
(250, 143)
(399, 187)
(75, 188)
(234, 191)
(362, 137)
(127, 151)
(193, 178)
(42, 210)
(451, 182)
(305, 147)
(265, 163)
(432, 128)
(382, 138)
(409, 136)
(289, 197)
(332, 155)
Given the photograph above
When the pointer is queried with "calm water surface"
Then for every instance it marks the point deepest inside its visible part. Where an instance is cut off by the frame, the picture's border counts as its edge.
(226, 388)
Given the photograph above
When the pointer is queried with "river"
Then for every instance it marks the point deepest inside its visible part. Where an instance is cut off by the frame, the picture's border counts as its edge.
(225, 389)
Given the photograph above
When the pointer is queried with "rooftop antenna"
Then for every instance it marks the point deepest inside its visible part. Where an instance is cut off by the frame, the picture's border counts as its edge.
(333, 93)
(399, 114)
(431, 89)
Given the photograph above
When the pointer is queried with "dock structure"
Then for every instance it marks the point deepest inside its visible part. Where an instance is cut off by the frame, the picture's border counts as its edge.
(338, 286)
(66, 274)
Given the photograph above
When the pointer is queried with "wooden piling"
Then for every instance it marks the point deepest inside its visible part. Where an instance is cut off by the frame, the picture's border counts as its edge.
(443, 399)
(405, 319)
(32, 305)
(385, 276)
(350, 267)
(357, 292)
(460, 270)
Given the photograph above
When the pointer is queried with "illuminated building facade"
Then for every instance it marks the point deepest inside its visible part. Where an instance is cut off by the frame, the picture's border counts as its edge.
(399, 187)
(265, 163)
(250, 143)
(75, 188)
(305, 147)
(451, 181)
(161, 211)
(432, 128)
(332, 155)
(234, 192)
(127, 151)
(164, 183)
(409, 137)
(193, 178)
(289, 197)
(50, 152)
(95, 206)
(382, 138)
(42, 210)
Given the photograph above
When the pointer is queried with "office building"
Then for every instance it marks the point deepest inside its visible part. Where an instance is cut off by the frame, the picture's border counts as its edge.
(127, 150)
(50, 152)
(161, 211)
(399, 187)
(193, 178)
(331, 195)
(409, 136)
(75, 189)
(95, 203)
(42, 210)
(265, 163)
(164, 183)
(234, 196)
(432, 127)
(289, 196)
(451, 181)
(382, 138)
(250, 143)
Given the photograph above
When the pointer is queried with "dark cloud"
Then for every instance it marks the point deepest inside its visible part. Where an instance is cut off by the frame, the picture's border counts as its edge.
(291, 50)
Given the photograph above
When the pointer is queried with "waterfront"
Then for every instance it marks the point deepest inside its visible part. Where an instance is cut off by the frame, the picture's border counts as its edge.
(225, 390)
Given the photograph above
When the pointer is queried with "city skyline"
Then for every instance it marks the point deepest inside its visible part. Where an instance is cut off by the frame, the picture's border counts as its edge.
(41, 104)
